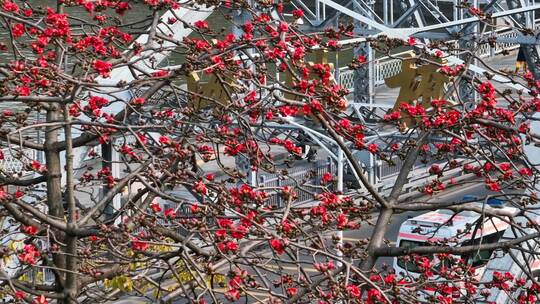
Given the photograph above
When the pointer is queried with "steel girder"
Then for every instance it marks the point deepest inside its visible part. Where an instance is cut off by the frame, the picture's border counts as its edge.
(467, 93)
(363, 76)
(377, 28)
(414, 17)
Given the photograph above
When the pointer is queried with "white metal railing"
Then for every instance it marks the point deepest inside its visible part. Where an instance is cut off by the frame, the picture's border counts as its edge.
(310, 172)
(385, 67)
(12, 163)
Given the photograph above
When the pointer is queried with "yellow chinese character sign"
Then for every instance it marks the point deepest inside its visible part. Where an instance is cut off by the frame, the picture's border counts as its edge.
(321, 57)
(209, 93)
(419, 84)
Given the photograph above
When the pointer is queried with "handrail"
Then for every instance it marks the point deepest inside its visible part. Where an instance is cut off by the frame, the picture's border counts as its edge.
(382, 63)
(12, 164)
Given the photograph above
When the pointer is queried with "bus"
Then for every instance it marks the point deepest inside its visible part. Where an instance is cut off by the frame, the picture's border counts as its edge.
(448, 228)
(454, 230)
(463, 229)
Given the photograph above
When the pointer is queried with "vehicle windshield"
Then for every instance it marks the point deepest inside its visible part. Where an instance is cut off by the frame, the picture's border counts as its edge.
(481, 257)
(408, 265)
(475, 259)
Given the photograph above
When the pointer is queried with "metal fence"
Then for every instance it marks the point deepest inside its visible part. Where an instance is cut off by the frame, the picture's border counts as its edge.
(13, 162)
(385, 169)
(308, 173)
(386, 67)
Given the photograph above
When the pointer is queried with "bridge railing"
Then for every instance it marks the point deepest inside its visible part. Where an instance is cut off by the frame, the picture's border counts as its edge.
(12, 163)
(386, 174)
(309, 172)
(389, 66)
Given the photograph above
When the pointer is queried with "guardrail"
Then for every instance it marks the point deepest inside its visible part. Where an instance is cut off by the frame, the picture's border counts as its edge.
(312, 173)
(13, 163)
(389, 66)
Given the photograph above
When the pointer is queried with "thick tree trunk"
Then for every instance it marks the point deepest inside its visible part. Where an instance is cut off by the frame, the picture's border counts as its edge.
(71, 286)
(377, 239)
(54, 189)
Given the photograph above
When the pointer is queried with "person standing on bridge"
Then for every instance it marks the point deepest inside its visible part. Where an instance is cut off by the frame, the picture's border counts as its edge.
(521, 61)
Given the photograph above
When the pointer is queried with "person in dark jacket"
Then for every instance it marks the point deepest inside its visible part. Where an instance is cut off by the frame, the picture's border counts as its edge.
(308, 152)
(521, 62)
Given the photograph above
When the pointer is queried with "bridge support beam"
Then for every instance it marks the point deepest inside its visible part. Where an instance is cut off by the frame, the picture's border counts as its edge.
(467, 93)
(364, 75)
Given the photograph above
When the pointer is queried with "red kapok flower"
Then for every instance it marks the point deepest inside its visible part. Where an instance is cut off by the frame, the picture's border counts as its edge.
(353, 290)
(19, 295)
(23, 90)
(297, 13)
(29, 255)
(525, 172)
(327, 177)
(122, 7)
(194, 208)
(493, 186)
(164, 140)
(31, 230)
(170, 213)
(102, 67)
(232, 246)
(200, 187)
(232, 295)
(372, 148)
(201, 24)
(278, 246)
(139, 101)
(291, 291)
(361, 59)
(41, 300)
(10, 6)
(18, 30)
(19, 194)
(136, 244)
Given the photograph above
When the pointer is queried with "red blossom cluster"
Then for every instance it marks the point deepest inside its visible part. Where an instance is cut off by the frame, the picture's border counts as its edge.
(29, 254)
